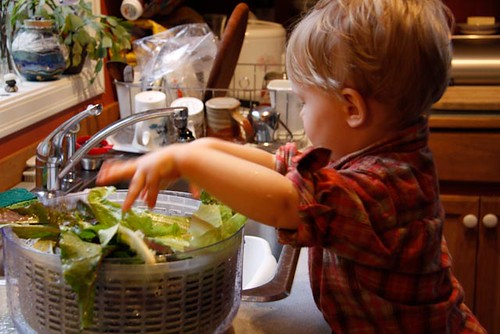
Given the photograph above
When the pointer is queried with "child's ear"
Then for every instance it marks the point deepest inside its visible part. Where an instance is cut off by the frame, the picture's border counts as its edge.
(355, 107)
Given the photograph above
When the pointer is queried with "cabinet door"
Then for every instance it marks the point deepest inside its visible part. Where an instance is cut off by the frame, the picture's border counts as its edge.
(462, 240)
(488, 266)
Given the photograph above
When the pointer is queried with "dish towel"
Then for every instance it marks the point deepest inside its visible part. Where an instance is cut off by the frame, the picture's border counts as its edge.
(16, 198)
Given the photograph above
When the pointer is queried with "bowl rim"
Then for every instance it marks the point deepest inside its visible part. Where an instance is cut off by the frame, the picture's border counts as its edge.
(161, 259)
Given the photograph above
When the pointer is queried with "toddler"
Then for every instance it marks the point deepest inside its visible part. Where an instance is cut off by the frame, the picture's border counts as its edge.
(364, 198)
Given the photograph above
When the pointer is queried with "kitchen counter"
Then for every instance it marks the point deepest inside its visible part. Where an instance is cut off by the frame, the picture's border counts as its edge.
(295, 314)
(470, 98)
(467, 107)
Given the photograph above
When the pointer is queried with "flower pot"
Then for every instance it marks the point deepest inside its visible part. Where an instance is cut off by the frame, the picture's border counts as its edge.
(37, 52)
(72, 68)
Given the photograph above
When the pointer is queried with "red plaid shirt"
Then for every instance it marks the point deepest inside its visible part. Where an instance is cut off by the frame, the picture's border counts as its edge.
(378, 262)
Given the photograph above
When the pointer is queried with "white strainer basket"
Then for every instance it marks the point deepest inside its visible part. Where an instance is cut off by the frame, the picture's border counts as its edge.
(197, 294)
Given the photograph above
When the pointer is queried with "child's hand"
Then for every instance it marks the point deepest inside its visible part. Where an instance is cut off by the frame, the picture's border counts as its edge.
(195, 190)
(147, 175)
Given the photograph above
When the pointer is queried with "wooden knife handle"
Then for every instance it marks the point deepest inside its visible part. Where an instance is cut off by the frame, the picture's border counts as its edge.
(228, 52)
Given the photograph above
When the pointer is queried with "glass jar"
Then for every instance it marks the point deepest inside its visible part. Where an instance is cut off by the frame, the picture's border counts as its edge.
(37, 52)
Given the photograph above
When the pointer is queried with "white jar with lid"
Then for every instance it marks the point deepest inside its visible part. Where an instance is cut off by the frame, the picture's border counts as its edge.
(149, 134)
(132, 9)
(286, 102)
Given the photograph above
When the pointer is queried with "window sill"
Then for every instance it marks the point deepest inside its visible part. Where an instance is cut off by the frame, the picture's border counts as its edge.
(36, 101)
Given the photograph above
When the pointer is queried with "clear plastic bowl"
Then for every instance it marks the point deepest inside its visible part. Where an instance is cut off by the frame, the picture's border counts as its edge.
(197, 294)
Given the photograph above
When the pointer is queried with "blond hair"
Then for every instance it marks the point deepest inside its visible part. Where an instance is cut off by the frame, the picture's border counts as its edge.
(395, 51)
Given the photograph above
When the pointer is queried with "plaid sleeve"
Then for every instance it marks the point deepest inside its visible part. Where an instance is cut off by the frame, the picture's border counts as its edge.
(303, 170)
(284, 158)
(333, 211)
(364, 213)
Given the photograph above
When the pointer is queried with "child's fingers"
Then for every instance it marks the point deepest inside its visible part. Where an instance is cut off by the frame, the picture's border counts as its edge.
(151, 198)
(135, 188)
(194, 190)
(115, 171)
(143, 194)
(152, 187)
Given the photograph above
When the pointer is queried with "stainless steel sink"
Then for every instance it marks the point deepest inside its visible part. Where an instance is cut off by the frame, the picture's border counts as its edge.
(279, 287)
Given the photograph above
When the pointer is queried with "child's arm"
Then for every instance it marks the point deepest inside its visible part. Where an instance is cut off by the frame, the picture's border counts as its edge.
(239, 176)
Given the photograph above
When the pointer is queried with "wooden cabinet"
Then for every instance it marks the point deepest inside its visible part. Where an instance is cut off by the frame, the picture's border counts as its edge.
(465, 141)
(462, 241)
(487, 305)
(472, 230)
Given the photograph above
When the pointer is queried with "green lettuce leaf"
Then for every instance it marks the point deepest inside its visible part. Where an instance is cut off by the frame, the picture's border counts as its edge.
(105, 235)
(36, 231)
(80, 261)
(106, 212)
(207, 217)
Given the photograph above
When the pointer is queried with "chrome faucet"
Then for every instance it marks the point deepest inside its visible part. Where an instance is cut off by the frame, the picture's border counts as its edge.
(53, 151)
(60, 165)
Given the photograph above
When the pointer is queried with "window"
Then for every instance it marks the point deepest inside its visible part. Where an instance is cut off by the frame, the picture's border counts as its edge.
(36, 101)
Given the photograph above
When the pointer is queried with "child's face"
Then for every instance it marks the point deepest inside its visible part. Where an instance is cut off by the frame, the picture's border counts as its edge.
(324, 121)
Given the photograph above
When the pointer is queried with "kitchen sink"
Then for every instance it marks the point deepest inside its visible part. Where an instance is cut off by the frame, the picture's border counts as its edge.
(280, 285)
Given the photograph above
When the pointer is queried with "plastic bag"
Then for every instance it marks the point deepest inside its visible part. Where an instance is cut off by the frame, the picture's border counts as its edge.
(178, 60)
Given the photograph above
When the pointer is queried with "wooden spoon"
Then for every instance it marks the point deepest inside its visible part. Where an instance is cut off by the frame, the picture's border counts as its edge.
(228, 52)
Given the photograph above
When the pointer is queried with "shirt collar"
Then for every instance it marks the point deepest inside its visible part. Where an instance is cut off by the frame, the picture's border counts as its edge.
(411, 138)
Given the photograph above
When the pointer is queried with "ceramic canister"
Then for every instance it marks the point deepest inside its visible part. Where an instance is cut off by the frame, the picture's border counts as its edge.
(150, 133)
(225, 121)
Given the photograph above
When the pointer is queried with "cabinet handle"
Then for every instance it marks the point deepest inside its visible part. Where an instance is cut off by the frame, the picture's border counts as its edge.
(490, 220)
(470, 221)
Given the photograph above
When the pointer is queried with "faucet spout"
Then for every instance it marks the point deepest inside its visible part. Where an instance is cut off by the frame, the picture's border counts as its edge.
(56, 166)
(176, 112)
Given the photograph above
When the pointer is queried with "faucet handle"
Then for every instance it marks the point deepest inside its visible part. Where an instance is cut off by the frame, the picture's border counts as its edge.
(51, 145)
(181, 122)
(181, 117)
(49, 152)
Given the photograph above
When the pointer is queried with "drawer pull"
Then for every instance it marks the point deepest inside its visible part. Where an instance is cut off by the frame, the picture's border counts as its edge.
(470, 221)
(490, 220)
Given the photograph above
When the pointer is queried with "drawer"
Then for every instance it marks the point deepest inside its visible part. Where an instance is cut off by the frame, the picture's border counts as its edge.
(466, 155)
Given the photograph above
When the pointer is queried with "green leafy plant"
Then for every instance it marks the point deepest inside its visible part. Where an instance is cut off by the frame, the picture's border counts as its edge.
(84, 33)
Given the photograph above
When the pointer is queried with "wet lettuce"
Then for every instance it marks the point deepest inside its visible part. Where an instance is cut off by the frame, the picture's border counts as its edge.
(98, 229)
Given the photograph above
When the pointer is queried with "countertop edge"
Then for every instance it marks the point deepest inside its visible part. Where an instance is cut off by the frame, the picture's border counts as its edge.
(473, 97)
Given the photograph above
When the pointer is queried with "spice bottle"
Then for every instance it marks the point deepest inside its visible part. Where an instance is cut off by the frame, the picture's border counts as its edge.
(132, 9)
(135, 9)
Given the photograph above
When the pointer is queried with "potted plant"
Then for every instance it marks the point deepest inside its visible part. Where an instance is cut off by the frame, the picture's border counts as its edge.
(84, 33)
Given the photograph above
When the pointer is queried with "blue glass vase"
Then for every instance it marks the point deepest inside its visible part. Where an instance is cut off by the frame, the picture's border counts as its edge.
(37, 52)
